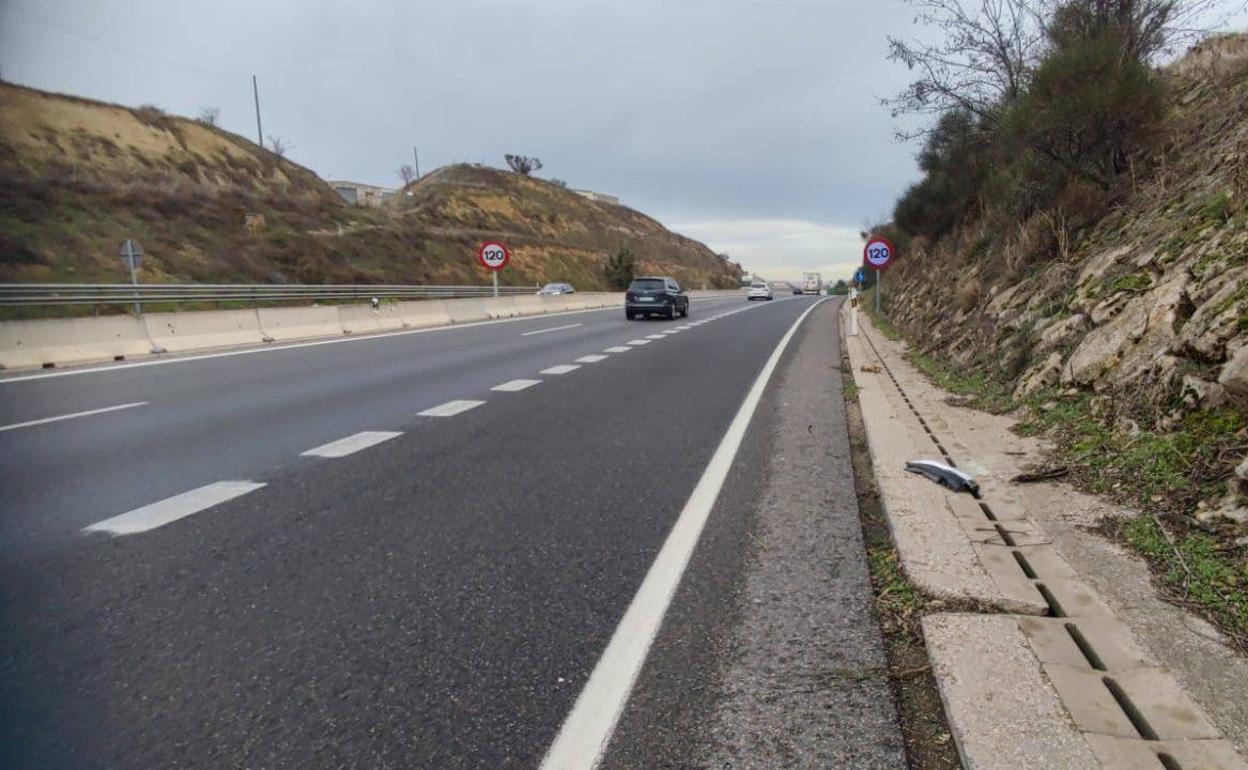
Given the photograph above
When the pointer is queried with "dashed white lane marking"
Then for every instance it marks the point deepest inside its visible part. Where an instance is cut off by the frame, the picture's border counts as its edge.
(639, 342)
(551, 329)
(591, 359)
(450, 408)
(684, 328)
(511, 386)
(618, 349)
(654, 336)
(561, 369)
(587, 729)
(351, 444)
(173, 508)
(670, 332)
(58, 418)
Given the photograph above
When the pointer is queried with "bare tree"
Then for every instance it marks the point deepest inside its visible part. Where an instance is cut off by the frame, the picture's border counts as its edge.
(987, 50)
(279, 146)
(209, 116)
(982, 59)
(407, 174)
(523, 164)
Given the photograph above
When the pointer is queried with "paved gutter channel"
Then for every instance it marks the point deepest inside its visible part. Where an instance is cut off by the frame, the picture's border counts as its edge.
(924, 727)
(1127, 708)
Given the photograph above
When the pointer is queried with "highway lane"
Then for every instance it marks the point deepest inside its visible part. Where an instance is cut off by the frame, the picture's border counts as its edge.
(200, 420)
(435, 600)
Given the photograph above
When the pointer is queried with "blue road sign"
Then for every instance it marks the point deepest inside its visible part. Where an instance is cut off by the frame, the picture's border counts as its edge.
(860, 275)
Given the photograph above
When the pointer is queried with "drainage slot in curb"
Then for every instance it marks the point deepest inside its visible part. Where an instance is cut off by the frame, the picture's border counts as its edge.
(1168, 761)
(1081, 642)
(1140, 724)
(1005, 535)
(1055, 609)
(1024, 565)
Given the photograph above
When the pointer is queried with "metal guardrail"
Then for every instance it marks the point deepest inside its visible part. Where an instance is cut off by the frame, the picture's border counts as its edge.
(36, 294)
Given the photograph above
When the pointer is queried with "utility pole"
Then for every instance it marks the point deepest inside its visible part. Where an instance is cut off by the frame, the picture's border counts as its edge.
(416, 157)
(255, 90)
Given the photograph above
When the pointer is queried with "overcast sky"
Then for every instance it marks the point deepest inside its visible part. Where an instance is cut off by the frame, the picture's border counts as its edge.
(751, 125)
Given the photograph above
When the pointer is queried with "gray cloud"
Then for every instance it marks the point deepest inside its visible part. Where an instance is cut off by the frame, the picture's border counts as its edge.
(691, 110)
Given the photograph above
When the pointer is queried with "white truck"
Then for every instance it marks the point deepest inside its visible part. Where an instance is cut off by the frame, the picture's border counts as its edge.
(812, 283)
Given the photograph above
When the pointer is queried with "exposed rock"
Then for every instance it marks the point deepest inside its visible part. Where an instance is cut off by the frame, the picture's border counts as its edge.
(1234, 377)
(1216, 321)
(1063, 332)
(1045, 374)
(1241, 470)
(1129, 344)
(1202, 393)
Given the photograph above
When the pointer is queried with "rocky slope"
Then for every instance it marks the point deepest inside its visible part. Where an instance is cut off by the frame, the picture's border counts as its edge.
(80, 176)
(1145, 314)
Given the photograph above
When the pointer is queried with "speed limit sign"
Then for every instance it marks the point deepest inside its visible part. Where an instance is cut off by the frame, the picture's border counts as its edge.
(493, 255)
(878, 252)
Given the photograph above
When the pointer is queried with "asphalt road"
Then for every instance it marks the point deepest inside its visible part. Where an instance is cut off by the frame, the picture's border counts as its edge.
(434, 599)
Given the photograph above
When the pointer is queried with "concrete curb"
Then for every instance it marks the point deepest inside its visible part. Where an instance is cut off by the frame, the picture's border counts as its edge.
(1065, 686)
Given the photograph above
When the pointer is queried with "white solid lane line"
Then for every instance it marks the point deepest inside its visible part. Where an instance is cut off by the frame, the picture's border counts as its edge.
(58, 418)
(351, 444)
(551, 329)
(450, 408)
(511, 386)
(587, 729)
(593, 359)
(639, 342)
(561, 369)
(617, 349)
(173, 508)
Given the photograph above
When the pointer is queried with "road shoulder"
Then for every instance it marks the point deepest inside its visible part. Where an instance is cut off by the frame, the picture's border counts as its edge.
(771, 655)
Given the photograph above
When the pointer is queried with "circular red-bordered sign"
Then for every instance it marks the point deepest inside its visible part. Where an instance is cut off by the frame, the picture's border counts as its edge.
(493, 255)
(878, 253)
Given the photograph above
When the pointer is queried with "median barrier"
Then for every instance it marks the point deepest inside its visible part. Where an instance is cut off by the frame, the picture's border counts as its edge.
(463, 311)
(529, 304)
(362, 319)
(63, 341)
(501, 307)
(297, 323)
(199, 329)
(423, 314)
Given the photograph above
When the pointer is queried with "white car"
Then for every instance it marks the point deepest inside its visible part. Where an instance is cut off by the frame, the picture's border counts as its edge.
(758, 290)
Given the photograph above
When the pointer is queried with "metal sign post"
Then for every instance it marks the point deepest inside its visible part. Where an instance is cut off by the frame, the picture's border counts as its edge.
(493, 256)
(878, 253)
(130, 253)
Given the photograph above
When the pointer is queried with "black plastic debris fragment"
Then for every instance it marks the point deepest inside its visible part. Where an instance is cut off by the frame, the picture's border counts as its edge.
(944, 475)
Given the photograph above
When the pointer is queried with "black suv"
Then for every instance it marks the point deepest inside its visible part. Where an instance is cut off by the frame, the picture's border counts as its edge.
(654, 296)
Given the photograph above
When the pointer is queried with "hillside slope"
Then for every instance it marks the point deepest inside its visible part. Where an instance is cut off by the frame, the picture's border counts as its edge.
(80, 176)
(1138, 323)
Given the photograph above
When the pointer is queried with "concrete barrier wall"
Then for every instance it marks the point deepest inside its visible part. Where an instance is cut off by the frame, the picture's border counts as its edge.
(529, 304)
(501, 307)
(362, 319)
(62, 341)
(424, 314)
(199, 329)
(463, 311)
(65, 341)
(299, 323)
